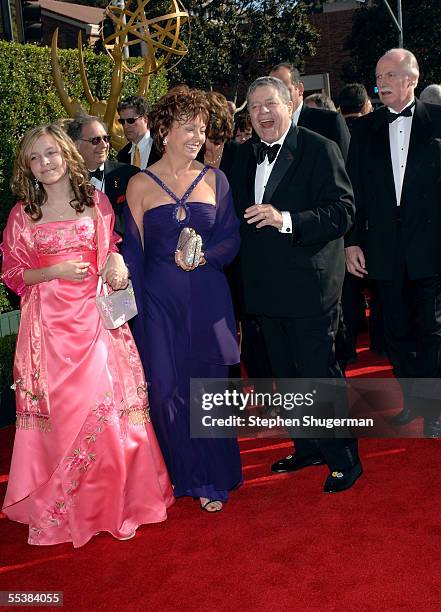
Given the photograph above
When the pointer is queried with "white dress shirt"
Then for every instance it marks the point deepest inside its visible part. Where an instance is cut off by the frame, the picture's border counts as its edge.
(399, 136)
(263, 172)
(296, 114)
(99, 184)
(144, 146)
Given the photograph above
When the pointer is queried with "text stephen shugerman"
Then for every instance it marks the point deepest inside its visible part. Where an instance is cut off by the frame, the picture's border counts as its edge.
(279, 421)
(241, 401)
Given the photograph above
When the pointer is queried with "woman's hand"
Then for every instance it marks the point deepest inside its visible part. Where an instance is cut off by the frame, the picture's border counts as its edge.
(72, 270)
(115, 272)
(179, 260)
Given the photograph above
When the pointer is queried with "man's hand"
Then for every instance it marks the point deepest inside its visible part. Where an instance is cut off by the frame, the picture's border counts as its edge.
(355, 261)
(264, 214)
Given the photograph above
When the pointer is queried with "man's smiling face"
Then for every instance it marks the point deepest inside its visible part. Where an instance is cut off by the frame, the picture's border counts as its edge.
(270, 115)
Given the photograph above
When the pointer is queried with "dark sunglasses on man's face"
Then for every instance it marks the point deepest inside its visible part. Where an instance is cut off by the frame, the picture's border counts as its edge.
(97, 139)
(130, 120)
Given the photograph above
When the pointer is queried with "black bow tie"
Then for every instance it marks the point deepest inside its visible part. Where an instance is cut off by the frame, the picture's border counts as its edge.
(407, 112)
(261, 150)
(98, 174)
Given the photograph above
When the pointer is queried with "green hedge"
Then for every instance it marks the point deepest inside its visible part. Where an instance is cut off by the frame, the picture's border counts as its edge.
(28, 96)
(7, 350)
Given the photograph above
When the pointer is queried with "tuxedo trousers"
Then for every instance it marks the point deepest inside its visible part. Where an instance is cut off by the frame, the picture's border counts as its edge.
(412, 323)
(305, 348)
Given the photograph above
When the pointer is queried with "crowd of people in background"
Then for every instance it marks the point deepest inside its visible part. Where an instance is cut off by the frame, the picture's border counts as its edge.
(296, 203)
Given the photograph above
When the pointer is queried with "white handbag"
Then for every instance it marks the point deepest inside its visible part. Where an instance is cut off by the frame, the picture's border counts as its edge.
(115, 308)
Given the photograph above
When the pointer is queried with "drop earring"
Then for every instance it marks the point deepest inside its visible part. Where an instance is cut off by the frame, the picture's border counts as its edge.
(36, 186)
(165, 141)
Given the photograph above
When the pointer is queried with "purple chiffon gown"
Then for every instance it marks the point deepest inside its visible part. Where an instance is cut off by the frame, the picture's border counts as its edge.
(186, 329)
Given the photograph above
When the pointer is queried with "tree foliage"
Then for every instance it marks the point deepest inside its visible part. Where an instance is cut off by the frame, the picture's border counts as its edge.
(28, 96)
(235, 41)
(374, 33)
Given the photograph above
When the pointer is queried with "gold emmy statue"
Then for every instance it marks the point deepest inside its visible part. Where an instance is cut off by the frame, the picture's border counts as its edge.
(132, 24)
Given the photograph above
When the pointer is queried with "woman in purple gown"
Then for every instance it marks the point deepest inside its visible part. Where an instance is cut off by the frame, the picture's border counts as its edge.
(185, 328)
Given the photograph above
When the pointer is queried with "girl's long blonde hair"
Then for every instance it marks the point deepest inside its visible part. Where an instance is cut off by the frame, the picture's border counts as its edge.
(30, 191)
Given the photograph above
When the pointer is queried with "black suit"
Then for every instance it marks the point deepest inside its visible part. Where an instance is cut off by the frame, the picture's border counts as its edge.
(116, 177)
(402, 245)
(331, 125)
(124, 155)
(327, 123)
(292, 282)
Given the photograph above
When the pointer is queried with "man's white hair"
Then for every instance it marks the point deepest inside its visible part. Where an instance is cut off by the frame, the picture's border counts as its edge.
(407, 60)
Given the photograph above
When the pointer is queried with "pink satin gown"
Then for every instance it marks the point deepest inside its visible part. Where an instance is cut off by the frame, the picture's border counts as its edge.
(97, 469)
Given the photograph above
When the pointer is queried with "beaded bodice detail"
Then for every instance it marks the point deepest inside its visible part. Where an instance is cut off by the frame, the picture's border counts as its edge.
(65, 236)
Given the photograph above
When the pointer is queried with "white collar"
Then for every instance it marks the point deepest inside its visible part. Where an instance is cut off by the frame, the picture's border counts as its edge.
(296, 114)
(398, 112)
(98, 168)
(143, 143)
(280, 141)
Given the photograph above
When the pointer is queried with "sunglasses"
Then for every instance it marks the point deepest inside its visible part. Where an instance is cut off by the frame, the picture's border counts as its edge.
(97, 139)
(130, 120)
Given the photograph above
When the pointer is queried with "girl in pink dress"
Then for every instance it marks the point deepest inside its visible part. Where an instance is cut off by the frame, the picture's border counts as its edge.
(85, 456)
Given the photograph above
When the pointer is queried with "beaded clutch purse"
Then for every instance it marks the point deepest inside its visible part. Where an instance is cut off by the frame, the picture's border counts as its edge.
(190, 245)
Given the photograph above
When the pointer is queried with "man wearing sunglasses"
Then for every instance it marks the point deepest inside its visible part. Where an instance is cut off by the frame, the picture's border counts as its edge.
(140, 150)
(92, 141)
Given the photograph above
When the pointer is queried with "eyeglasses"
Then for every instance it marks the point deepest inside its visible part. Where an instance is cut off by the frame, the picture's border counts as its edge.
(130, 120)
(96, 139)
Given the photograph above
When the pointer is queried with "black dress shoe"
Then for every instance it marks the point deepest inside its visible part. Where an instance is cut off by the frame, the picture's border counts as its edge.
(340, 481)
(432, 428)
(293, 463)
(407, 415)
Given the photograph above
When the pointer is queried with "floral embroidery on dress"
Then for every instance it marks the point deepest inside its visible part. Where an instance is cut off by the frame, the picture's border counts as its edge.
(137, 414)
(77, 463)
(81, 459)
(68, 237)
(103, 410)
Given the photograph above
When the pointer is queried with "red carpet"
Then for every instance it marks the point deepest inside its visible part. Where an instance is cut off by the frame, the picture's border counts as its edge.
(280, 544)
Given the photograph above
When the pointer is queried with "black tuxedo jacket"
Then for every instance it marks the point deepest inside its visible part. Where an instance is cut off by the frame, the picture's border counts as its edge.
(124, 155)
(299, 274)
(116, 177)
(327, 123)
(370, 169)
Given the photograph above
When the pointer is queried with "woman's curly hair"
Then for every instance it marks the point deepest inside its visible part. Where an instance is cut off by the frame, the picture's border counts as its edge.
(32, 192)
(220, 124)
(180, 104)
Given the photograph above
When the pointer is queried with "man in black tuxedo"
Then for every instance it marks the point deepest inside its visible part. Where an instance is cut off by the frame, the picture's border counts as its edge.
(140, 151)
(395, 167)
(92, 141)
(331, 125)
(325, 122)
(295, 203)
